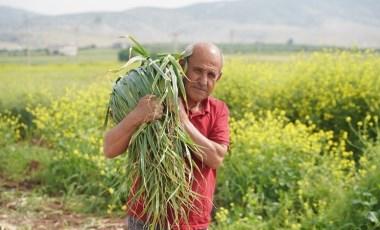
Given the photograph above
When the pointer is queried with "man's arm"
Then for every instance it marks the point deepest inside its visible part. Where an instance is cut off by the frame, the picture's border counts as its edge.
(116, 140)
(212, 153)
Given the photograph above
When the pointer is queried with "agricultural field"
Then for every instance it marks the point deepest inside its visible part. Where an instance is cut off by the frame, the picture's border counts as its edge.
(304, 154)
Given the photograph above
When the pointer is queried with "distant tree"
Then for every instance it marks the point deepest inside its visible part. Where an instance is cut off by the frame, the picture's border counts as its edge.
(123, 55)
(290, 41)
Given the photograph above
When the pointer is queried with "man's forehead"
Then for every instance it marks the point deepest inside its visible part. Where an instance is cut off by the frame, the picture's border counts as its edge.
(205, 47)
(206, 53)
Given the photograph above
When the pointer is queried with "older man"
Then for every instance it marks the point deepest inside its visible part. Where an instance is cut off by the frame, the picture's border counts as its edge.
(205, 120)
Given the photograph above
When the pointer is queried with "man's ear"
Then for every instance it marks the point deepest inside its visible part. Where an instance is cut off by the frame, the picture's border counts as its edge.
(220, 76)
(182, 62)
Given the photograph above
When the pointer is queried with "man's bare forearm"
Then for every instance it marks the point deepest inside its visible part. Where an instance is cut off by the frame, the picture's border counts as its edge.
(116, 140)
(212, 153)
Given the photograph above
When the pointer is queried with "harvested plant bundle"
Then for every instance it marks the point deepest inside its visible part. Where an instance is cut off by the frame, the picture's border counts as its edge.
(157, 151)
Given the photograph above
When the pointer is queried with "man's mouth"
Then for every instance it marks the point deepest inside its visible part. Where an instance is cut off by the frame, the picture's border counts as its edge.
(204, 90)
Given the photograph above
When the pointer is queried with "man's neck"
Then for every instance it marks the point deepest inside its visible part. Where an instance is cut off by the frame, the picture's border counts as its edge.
(196, 106)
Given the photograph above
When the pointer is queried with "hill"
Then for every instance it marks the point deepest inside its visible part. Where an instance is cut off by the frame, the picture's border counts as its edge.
(336, 22)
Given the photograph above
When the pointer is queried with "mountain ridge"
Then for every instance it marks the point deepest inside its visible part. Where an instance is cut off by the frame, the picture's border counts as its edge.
(338, 22)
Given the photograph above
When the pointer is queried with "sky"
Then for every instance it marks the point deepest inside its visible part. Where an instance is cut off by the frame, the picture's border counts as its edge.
(56, 7)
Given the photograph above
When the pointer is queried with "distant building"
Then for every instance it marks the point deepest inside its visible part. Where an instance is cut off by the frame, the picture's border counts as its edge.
(64, 51)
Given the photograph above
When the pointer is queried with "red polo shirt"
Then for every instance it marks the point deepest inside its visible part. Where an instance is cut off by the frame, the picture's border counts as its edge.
(212, 122)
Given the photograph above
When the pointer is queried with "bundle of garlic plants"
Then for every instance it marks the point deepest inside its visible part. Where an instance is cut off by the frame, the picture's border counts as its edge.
(159, 156)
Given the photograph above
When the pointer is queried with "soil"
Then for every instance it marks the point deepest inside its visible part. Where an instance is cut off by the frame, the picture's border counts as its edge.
(21, 208)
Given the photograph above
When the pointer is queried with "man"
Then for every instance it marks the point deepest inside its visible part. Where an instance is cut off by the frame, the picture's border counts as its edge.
(205, 120)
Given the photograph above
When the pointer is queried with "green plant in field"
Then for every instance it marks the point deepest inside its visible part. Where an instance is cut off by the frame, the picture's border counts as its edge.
(70, 130)
(159, 153)
(20, 162)
(324, 87)
(69, 123)
(359, 208)
(10, 128)
(279, 173)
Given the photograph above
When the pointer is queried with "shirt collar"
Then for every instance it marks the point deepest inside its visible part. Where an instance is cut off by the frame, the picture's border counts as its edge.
(204, 110)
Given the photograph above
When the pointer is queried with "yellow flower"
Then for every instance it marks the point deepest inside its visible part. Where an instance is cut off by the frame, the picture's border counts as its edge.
(222, 215)
(363, 160)
(296, 226)
(362, 172)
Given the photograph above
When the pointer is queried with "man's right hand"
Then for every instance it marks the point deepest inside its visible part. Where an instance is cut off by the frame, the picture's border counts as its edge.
(116, 140)
(148, 109)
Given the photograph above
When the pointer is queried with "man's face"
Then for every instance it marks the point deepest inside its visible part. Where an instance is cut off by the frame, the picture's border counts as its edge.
(203, 71)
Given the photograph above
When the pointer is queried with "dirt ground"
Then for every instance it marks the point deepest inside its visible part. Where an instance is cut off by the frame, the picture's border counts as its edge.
(21, 208)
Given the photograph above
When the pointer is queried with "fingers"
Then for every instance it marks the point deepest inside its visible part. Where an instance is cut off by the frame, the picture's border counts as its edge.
(152, 108)
(154, 105)
(157, 112)
(170, 106)
(183, 114)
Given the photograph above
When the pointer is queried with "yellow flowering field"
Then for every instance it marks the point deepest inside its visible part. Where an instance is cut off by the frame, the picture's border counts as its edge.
(326, 88)
(304, 139)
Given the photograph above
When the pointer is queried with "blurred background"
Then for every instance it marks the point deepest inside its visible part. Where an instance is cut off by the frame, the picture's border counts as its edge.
(301, 80)
(66, 27)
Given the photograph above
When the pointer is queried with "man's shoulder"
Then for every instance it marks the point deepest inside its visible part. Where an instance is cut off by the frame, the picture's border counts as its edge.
(215, 101)
(217, 104)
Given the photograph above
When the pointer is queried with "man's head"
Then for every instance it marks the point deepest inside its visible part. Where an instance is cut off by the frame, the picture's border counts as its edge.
(204, 69)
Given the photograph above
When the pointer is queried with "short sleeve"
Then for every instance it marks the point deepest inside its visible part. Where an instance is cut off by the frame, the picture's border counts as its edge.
(220, 132)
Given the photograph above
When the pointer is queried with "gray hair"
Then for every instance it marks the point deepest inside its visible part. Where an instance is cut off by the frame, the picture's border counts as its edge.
(189, 51)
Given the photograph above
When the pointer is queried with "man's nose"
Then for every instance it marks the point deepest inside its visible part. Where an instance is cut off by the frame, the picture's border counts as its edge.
(203, 79)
